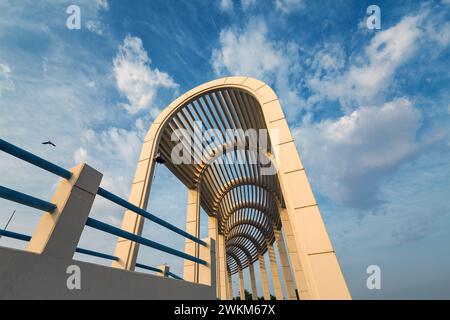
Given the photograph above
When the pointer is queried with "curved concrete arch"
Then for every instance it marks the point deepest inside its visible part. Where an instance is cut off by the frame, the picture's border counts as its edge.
(240, 182)
(235, 258)
(261, 198)
(244, 262)
(224, 149)
(224, 218)
(266, 226)
(249, 238)
(309, 239)
(267, 234)
(260, 235)
(242, 248)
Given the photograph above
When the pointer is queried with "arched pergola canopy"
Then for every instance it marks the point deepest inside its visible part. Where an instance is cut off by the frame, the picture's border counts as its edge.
(228, 141)
(226, 167)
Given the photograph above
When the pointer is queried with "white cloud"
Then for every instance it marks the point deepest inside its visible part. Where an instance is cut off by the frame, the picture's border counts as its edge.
(135, 79)
(287, 6)
(114, 152)
(439, 32)
(372, 73)
(95, 27)
(6, 84)
(226, 5)
(246, 4)
(103, 4)
(350, 157)
(249, 52)
(369, 75)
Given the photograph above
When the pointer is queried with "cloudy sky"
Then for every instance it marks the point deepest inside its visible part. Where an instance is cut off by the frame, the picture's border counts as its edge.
(369, 110)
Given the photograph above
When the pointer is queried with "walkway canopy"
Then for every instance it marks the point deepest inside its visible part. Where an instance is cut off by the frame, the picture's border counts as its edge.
(229, 143)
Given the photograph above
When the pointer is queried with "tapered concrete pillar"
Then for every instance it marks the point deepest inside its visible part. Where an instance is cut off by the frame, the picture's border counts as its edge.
(207, 273)
(274, 271)
(58, 233)
(213, 234)
(289, 284)
(264, 279)
(324, 278)
(224, 288)
(299, 275)
(190, 271)
(251, 270)
(127, 250)
(241, 284)
(230, 286)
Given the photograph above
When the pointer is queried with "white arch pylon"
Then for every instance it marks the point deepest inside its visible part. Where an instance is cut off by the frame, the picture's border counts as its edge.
(308, 240)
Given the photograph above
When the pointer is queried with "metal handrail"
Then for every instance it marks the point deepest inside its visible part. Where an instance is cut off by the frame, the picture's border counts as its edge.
(174, 276)
(143, 266)
(138, 239)
(24, 237)
(33, 159)
(55, 169)
(108, 195)
(26, 200)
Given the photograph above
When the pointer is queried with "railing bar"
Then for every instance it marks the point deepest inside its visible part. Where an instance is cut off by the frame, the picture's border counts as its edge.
(96, 254)
(112, 197)
(174, 276)
(138, 239)
(143, 266)
(55, 169)
(33, 159)
(14, 235)
(26, 200)
(23, 237)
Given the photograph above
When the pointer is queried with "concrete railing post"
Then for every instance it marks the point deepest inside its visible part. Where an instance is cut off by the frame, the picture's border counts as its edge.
(58, 233)
(164, 270)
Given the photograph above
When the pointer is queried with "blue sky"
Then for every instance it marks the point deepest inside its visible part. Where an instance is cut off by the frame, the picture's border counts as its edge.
(369, 110)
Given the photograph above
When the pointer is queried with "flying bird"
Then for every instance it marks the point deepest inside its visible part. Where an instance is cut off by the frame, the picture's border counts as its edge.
(49, 143)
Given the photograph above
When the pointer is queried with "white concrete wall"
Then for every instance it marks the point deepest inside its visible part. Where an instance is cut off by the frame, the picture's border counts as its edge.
(26, 275)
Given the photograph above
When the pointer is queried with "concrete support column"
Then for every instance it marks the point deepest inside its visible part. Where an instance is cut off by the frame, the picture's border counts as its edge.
(230, 286)
(323, 275)
(289, 284)
(299, 276)
(127, 250)
(207, 273)
(190, 271)
(251, 269)
(58, 233)
(274, 271)
(223, 268)
(213, 234)
(241, 284)
(264, 279)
